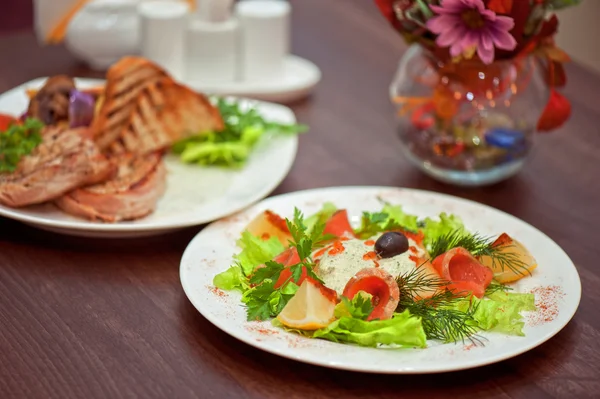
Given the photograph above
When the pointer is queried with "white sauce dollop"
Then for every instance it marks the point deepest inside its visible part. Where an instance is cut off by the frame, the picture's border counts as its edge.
(336, 268)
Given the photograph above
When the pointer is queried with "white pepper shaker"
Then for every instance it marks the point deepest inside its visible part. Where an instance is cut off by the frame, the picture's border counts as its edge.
(211, 49)
(163, 25)
(264, 38)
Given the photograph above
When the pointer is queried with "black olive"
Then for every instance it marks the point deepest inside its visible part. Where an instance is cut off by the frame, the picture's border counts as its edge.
(391, 244)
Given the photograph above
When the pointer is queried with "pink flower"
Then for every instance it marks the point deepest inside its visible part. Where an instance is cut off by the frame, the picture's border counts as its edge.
(466, 25)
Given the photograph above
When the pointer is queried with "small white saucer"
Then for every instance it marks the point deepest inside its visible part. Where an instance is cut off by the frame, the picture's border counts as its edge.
(299, 79)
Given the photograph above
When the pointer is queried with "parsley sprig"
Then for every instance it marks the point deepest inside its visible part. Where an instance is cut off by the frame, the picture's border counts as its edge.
(359, 307)
(17, 141)
(264, 300)
(305, 243)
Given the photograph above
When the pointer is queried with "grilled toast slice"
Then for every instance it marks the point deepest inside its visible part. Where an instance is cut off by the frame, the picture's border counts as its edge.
(166, 112)
(125, 80)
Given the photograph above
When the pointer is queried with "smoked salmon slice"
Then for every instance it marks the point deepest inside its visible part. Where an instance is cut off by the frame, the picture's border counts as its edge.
(339, 224)
(427, 271)
(381, 285)
(288, 258)
(464, 272)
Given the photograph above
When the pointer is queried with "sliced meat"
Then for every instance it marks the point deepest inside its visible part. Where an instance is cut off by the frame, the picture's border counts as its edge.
(65, 160)
(131, 194)
(465, 273)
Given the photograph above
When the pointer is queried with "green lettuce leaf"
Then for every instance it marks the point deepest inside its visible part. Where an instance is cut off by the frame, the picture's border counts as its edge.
(254, 252)
(433, 229)
(391, 217)
(231, 279)
(321, 216)
(231, 146)
(502, 313)
(403, 330)
(405, 220)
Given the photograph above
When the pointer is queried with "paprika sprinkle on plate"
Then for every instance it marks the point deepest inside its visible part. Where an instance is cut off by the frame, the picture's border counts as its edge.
(546, 302)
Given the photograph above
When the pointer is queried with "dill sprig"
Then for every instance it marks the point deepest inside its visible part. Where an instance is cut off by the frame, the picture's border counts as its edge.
(496, 287)
(417, 281)
(479, 246)
(439, 317)
(474, 243)
(442, 321)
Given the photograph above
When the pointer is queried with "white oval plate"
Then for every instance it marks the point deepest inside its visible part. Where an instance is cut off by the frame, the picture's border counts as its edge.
(195, 195)
(299, 78)
(210, 252)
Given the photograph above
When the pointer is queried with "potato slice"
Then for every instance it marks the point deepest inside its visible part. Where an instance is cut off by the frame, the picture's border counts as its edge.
(514, 252)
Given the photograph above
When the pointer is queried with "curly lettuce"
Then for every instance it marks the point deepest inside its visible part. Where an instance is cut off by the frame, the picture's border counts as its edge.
(255, 252)
(402, 329)
(500, 312)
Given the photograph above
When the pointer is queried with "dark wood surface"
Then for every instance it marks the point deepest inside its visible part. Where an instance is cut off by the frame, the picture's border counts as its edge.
(89, 318)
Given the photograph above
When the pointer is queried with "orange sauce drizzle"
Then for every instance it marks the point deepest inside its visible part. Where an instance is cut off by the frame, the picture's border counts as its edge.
(371, 255)
(321, 252)
(337, 248)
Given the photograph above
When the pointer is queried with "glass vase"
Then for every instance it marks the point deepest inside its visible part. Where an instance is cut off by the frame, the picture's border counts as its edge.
(468, 123)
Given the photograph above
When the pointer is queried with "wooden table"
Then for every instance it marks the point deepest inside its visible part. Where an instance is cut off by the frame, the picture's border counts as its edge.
(84, 318)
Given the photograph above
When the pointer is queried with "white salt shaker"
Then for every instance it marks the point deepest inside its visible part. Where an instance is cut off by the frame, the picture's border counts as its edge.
(211, 48)
(264, 38)
(163, 25)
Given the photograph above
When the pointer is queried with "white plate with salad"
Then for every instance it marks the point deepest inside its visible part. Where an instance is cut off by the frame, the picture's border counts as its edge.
(381, 280)
(205, 180)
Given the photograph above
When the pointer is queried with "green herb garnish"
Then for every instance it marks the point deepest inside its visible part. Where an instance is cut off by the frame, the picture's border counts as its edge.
(439, 318)
(495, 287)
(478, 246)
(441, 321)
(232, 146)
(264, 300)
(18, 141)
(474, 243)
(371, 224)
(359, 307)
(381, 222)
(417, 281)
